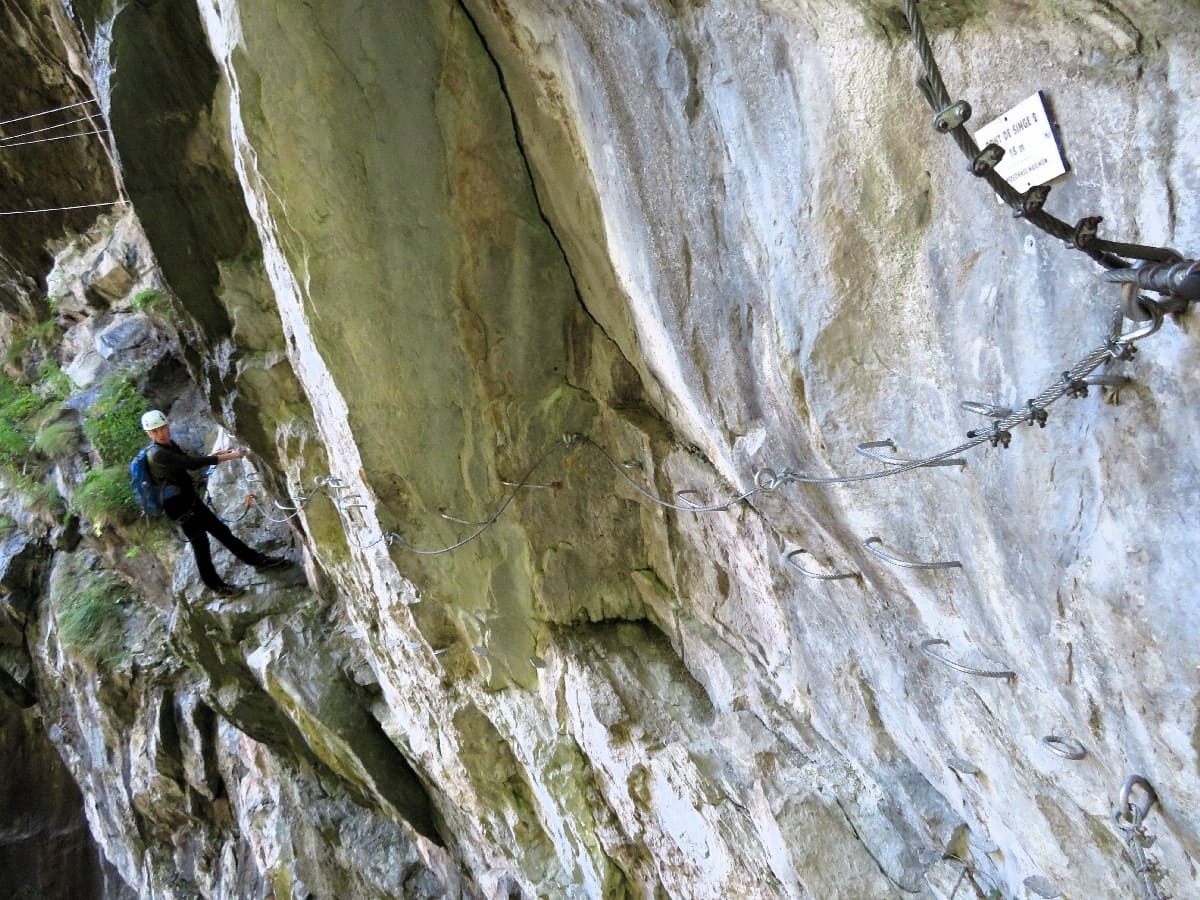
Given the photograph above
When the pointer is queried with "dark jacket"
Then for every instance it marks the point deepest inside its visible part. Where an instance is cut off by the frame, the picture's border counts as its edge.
(171, 465)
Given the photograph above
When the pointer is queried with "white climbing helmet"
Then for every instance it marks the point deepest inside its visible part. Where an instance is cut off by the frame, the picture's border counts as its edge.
(153, 419)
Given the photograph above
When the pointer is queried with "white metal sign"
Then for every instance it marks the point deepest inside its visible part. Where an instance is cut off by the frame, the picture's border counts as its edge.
(1031, 152)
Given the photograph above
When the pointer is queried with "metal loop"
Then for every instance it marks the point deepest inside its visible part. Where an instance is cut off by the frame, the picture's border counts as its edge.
(1155, 323)
(1125, 807)
(991, 410)
(683, 498)
(907, 563)
(1067, 748)
(866, 448)
(927, 649)
(834, 576)
(766, 480)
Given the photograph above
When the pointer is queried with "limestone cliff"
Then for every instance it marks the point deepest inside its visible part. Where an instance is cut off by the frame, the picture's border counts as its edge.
(544, 323)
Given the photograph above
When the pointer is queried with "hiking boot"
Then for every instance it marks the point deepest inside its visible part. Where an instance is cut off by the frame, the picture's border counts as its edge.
(272, 562)
(228, 590)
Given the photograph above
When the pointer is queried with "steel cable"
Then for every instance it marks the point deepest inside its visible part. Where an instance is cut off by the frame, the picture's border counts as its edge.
(1107, 253)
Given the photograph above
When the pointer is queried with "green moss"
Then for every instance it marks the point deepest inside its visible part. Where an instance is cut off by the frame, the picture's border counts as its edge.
(113, 424)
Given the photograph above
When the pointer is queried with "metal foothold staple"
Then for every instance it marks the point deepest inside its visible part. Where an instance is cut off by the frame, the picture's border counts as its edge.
(953, 116)
(986, 160)
(1086, 230)
(927, 649)
(1032, 200)
(1114, 381)
(1136, 814)
(481, 651)
(684, 498)
(906, 563)
(991, 410)
(1067, 748)
(835, 576)
(537, 662)
(866, 448)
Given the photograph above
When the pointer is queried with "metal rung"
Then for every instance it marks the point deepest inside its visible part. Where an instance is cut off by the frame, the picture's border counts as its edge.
(907, 563)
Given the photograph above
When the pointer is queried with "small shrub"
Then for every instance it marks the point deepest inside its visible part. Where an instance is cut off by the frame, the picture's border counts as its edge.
(113, 425)
(106, 498)
(6, 525)
(91, 620)
(57, 440)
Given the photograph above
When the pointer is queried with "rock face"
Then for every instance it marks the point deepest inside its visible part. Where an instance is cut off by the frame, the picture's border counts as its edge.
(526, 308)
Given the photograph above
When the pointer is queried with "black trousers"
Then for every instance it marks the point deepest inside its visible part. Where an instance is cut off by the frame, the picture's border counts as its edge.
(198, 523)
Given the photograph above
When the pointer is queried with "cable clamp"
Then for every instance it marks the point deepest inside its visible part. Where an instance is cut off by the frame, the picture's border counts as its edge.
(1085, 233)
(986, 160)
(1122, 350)
(953, 116)
(1032, 201)
(1036, 414)
(997, 436)
(1076, 387)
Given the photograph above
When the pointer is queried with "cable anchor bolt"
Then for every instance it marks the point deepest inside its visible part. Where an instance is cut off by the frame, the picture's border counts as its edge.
(953, 116)
(1036, 414)
(1032, 201)
(986, 160)
(1085, 233)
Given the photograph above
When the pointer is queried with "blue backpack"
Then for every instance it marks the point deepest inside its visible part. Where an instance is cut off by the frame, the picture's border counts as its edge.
(150, 494)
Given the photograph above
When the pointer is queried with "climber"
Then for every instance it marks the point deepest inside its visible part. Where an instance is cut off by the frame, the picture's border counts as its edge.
(171, 466)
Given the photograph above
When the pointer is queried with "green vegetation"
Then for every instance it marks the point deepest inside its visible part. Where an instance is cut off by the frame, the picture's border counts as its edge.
(152, 302)
(53, 382)
(91, 620)
(113, 424)
(43, 336)
(37, 496)
(6, 525)
(57, 440)
(18, 406)
(106, 498)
